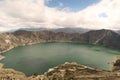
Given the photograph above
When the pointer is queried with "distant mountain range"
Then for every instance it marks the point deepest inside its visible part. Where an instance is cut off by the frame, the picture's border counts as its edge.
(65, 30)
(103, 37)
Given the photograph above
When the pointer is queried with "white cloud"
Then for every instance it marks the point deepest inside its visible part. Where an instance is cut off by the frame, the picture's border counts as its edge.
(34, 13)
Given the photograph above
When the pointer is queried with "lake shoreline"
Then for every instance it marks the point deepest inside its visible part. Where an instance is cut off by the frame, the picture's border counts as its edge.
(41, 75)
(65, 48)
(27, 44)
(1, 52)
(1, 57)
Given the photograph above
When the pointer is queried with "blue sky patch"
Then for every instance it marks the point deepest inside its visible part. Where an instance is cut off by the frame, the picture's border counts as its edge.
(75, 5)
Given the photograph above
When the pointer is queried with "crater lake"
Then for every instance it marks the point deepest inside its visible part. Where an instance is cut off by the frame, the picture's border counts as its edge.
(38, 58)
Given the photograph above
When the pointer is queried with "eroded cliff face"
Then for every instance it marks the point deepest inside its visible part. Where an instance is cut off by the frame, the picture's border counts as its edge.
(67, 71)
(102, 37)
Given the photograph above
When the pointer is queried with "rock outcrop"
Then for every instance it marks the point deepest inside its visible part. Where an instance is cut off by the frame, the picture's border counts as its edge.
(74, 71)
(67, 71)
(116, 64)
(10, 74)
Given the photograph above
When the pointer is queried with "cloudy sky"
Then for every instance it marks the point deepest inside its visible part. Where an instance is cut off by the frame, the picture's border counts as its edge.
(92, 14)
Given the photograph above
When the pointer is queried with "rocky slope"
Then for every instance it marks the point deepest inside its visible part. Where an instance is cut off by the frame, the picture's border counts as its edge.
(18, 38)
(67, 71)
(74, 71)
(10, 74)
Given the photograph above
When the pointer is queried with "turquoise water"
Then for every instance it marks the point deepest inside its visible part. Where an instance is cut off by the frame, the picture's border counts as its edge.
(40, 57)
